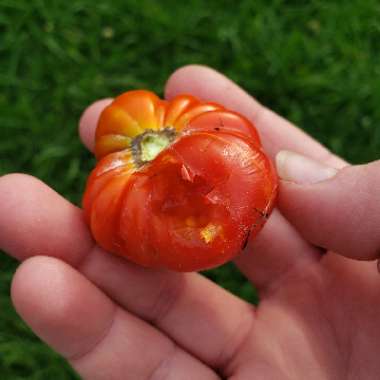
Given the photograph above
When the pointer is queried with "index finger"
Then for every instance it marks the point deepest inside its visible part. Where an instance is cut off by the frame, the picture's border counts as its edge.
(276, 132)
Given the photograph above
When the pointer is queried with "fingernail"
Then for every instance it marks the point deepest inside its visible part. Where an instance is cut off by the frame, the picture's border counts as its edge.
(300, 169)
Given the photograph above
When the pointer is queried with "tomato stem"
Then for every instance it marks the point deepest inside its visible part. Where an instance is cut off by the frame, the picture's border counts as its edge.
(148, 145)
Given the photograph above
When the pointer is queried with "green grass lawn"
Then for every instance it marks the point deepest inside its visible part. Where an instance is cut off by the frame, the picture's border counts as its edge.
(315, 62)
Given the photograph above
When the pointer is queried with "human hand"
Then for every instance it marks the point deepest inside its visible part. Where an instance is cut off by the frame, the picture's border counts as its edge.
(319, 311)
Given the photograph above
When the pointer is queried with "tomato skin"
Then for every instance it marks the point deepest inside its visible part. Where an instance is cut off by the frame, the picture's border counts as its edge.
(194, 204)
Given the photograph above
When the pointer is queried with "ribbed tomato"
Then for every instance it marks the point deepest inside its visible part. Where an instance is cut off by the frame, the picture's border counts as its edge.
(179, 184)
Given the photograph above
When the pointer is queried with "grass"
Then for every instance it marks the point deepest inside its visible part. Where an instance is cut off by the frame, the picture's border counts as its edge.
(315, 62)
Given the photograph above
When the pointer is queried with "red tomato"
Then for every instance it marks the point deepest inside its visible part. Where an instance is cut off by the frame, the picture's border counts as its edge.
(179, 184)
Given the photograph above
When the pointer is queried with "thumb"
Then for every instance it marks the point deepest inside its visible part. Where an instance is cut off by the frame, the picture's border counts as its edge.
(336, 210)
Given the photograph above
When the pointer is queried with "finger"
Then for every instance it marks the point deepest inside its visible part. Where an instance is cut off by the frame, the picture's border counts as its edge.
(268, 262)
(88, 121)
(203, 318)
(276, 251)
(99, 339)
(35, 220)
(337, 210)
(276, 132)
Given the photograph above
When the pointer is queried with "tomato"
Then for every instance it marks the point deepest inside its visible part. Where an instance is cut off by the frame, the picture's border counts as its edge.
(179, 184)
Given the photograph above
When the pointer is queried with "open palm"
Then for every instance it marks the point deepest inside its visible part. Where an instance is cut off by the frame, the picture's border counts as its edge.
(319, 312)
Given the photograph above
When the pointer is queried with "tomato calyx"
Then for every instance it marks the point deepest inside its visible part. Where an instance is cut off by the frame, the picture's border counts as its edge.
(146, 146)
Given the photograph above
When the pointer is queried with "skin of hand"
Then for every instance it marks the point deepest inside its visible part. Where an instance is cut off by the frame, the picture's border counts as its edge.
(319, 312)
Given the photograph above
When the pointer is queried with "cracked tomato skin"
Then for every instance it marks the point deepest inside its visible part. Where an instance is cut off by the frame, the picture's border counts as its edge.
(193, 203)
